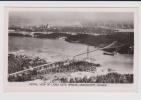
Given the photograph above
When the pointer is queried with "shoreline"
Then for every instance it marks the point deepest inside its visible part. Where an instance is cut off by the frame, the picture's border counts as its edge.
(69, 76)
(91, 40)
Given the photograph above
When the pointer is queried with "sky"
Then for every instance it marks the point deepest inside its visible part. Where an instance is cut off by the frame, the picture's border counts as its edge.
(68, 18)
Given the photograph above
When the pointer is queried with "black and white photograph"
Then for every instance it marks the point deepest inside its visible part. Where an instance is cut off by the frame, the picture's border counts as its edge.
(70, 46)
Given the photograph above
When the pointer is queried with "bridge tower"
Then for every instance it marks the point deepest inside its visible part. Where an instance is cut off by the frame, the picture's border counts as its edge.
(87, 52)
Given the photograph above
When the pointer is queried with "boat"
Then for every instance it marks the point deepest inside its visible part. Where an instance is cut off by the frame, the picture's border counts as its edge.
(110, 53)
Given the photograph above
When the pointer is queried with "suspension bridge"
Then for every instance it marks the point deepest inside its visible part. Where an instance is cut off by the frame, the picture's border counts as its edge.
(55, 64)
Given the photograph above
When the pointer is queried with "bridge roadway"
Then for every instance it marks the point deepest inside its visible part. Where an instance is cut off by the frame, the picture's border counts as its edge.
(48, 65)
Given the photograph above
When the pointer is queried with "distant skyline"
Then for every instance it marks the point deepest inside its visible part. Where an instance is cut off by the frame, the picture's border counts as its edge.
(68, 18)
